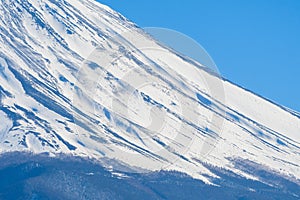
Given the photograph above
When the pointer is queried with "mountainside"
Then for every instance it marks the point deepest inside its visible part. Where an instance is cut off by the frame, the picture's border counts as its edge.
(78, 78)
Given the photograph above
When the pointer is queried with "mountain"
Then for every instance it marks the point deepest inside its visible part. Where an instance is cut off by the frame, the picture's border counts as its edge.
(78, 78)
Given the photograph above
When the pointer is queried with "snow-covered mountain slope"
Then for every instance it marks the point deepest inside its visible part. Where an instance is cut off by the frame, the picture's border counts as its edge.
(78, 78)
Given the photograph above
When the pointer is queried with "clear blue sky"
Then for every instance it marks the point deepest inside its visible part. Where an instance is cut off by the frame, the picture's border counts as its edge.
(255, 44)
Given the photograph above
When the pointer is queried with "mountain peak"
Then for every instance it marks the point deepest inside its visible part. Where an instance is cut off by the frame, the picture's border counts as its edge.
(78, 78)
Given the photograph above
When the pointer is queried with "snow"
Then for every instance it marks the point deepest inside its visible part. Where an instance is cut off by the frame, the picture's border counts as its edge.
(142, 107)
(6, 124)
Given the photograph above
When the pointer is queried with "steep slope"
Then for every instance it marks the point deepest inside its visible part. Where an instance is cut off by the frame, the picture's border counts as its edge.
(78, 78)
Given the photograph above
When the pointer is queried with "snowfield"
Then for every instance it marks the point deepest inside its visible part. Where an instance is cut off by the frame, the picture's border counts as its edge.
(78, 78)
